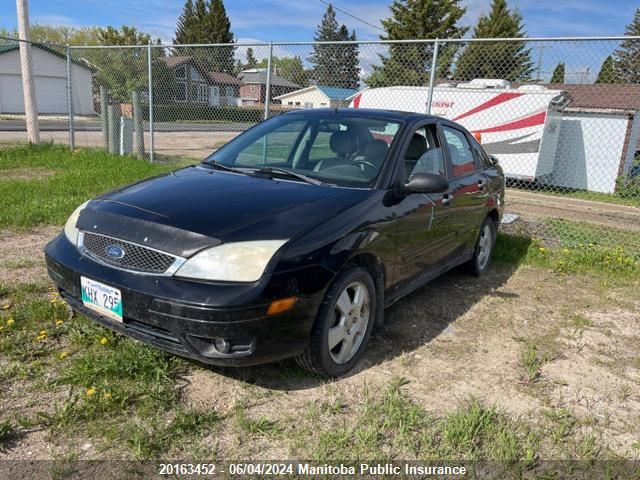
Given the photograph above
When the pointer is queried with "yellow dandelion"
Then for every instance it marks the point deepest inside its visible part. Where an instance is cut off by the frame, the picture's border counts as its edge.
(10, 322)
(59, 322)
(40, 337)
(43, 333)
(104, 341)
(91, 392)
(6, 306)
(542, 249)
(63, 355)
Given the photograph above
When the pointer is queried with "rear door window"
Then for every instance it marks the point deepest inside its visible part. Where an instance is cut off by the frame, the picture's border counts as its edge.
(462, 161)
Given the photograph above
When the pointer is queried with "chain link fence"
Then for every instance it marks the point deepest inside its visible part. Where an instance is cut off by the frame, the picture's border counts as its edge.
(562, 116)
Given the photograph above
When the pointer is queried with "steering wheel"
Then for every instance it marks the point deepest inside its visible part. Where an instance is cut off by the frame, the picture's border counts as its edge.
(364, 163)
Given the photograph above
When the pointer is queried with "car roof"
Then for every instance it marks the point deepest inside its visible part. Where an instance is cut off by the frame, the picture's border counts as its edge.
(392, 115)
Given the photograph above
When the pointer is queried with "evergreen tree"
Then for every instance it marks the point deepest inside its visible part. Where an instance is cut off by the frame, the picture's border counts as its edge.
(558, 74)
(508, 60)
(251, 60)
(627, 57)
(335, 65)
(186, 24)
(607, 73)
(410, 64)
(206, 21)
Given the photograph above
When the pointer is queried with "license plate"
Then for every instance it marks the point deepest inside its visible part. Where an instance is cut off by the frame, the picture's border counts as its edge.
(102, 298)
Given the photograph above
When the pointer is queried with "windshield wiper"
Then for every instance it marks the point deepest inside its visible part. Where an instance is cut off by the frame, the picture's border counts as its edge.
(221, 166)
(288, 173)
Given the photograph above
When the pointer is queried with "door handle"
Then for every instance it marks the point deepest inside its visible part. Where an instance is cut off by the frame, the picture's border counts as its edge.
(446, 199)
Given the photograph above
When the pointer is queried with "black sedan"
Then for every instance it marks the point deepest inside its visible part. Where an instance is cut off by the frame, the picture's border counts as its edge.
(289, 241)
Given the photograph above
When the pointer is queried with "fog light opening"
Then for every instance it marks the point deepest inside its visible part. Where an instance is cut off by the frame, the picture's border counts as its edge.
(281, 306)
(222, 345)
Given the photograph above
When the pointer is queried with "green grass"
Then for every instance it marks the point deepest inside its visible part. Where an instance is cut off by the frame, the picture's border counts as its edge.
(392, 422)
(613, 262)
(574, 234)
(615, 198)
(531, 364)
(77, 176)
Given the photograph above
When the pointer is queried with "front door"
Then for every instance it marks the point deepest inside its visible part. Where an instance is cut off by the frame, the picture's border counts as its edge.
(425, 230)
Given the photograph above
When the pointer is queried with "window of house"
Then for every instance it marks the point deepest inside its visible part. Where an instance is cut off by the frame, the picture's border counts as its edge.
(181, 72)
(229, 91)
(199, 93)
(181, 91)
(459, 151)
(195, 75)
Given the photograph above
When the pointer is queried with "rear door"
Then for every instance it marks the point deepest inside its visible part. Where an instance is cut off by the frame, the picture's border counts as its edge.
(467, 194)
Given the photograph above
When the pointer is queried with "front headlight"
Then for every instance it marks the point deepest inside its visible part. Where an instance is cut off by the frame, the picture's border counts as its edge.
(231, 262)
(70, 230)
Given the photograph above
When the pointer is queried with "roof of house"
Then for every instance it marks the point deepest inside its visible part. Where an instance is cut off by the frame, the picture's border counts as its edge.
(224, 78)
(10, 47)
(332, 93)
(260, 76)
(601, 96)
(214, 77)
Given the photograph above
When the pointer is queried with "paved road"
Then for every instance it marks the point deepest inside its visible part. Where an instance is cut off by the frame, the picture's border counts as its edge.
(95, 126)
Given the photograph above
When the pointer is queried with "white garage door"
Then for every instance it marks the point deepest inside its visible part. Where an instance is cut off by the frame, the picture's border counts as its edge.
(51, 94)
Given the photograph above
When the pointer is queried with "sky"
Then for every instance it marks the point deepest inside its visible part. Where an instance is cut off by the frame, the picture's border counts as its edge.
(296, 20)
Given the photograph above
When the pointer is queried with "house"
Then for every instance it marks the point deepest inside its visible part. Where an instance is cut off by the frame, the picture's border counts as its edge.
(197, 86)
(317, 96)
(50, 73)
(254, 88)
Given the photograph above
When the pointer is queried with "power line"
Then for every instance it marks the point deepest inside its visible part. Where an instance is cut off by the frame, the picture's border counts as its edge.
(352, 16)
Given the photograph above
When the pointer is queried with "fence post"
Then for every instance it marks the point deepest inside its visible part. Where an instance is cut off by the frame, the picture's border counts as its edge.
(138, 124)
(151, 140)
(268, 86)
(72, 139)
(432, 76)
(104, 104)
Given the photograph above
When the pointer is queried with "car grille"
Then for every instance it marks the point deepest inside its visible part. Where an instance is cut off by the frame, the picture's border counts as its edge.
(136, 257)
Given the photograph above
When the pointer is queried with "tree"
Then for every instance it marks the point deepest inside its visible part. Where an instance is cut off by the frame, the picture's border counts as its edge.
(508, 60)
(335, 65)
(607, 73)
(627, 57)
(251, 60)
(291, 69)
(124, 70)
(206, 21)
(185, 27)
(558, 74)
(410, 64)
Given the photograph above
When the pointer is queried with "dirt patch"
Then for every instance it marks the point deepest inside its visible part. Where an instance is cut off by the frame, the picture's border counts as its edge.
(532, 205)
(14, 174)
(22, 256)
(461, 338)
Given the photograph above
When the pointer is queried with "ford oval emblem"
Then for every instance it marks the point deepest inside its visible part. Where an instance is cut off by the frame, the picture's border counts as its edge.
(114, 251)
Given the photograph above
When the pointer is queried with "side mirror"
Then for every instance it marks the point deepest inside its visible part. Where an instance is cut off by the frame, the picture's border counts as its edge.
(426, 183)
(494, 159)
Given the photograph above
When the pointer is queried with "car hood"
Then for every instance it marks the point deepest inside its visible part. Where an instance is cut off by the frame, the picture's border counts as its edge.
(187, 210)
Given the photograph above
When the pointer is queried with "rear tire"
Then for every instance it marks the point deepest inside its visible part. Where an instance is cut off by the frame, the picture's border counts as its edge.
(343, 325)
(485, 243)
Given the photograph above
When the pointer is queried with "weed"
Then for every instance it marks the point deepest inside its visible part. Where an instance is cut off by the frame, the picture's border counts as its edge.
(260, 426)
(531, 364)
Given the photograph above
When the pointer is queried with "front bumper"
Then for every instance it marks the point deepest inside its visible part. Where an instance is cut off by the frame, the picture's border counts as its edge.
(185, 318)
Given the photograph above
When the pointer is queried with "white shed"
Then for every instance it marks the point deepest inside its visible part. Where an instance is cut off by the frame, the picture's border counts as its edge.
(49, 70)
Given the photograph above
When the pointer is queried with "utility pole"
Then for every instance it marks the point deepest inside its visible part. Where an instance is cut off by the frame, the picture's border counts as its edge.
(541, 47)
(28, 86)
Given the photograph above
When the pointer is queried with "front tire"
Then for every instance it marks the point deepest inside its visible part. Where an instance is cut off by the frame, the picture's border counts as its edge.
(479, 263)
(343, 325)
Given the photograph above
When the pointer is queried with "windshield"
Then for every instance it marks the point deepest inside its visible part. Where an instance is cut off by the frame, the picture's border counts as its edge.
(336, 149)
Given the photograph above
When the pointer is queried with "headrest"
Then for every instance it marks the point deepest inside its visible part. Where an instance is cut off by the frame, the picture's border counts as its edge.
(375, 148)
(417, 147)
(342, 143)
